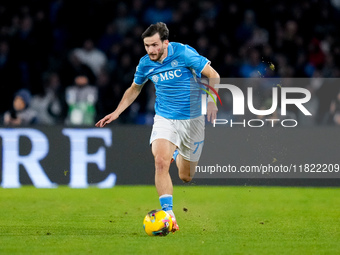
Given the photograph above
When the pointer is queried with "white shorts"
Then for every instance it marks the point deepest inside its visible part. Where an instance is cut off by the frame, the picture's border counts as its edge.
(187, 135)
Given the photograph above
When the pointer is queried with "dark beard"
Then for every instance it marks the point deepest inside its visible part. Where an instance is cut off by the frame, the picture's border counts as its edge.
(160, 54)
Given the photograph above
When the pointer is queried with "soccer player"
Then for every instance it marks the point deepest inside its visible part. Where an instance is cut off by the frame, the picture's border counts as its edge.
(178, 129)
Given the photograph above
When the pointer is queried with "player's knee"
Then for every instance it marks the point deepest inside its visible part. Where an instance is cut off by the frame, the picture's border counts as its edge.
(161, 164)
(185, 177)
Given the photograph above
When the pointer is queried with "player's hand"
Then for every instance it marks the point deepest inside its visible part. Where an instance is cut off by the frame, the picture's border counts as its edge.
(211, 111)
(107, 119)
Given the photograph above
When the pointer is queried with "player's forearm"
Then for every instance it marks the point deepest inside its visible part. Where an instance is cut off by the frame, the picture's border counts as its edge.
(214, 77)
(128, 98)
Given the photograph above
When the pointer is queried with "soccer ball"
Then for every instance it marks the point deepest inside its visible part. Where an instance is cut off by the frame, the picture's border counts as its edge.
(157, 223)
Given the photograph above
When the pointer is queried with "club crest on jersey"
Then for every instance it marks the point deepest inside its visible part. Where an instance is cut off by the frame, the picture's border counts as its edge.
(174, 63)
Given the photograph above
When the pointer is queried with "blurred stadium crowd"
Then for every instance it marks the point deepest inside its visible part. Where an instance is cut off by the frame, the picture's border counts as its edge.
(69, 62)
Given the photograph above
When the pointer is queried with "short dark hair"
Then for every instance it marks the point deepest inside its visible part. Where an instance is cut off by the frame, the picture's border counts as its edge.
(160, 28)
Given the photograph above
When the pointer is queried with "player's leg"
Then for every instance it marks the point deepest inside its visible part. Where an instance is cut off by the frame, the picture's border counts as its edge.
(162, 151)
(191, 133)
(186, 169)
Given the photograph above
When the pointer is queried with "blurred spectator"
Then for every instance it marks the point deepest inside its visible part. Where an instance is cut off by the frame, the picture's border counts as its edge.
(124, 21)
(137, 9)
(124, 72)
(336, 3)
(59, 29)
(73, 67)
(50, 105)
(291, 42)
(108, 99)
(20, 114)
(253, 67)
(158, 12)
(246, 29)
(111, 36)
(209, 9)
(316, 56)
(326, 94)
(335, 109)
(203, 45)
(9, 78)
(229, 66)
(259, 37)
(81, 99)
(329, 66)
(91, 56)
(54, 10)
(27, 54)
(43, 33)
(113, 56)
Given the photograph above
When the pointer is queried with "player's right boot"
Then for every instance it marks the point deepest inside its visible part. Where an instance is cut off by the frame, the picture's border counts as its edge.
(175, 226)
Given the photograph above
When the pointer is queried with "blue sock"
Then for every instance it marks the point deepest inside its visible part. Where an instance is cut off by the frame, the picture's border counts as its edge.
(166, 202)
(174, 156)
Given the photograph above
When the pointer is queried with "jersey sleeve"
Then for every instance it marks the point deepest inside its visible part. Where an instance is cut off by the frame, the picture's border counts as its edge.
(140, 77)
(194, 60)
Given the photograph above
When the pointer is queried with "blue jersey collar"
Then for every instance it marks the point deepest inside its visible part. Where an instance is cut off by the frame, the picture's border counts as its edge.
(170, 50)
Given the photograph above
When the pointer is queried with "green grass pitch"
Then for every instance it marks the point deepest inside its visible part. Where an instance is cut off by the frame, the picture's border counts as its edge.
(212, 220)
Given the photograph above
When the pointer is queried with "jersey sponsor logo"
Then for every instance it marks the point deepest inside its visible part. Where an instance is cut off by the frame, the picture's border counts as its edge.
(170, 75)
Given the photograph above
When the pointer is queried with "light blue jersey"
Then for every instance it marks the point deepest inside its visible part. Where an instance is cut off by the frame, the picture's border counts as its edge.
(172, 80)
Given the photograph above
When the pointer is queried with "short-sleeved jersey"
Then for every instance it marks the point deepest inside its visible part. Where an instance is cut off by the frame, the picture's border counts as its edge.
(172, 78)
